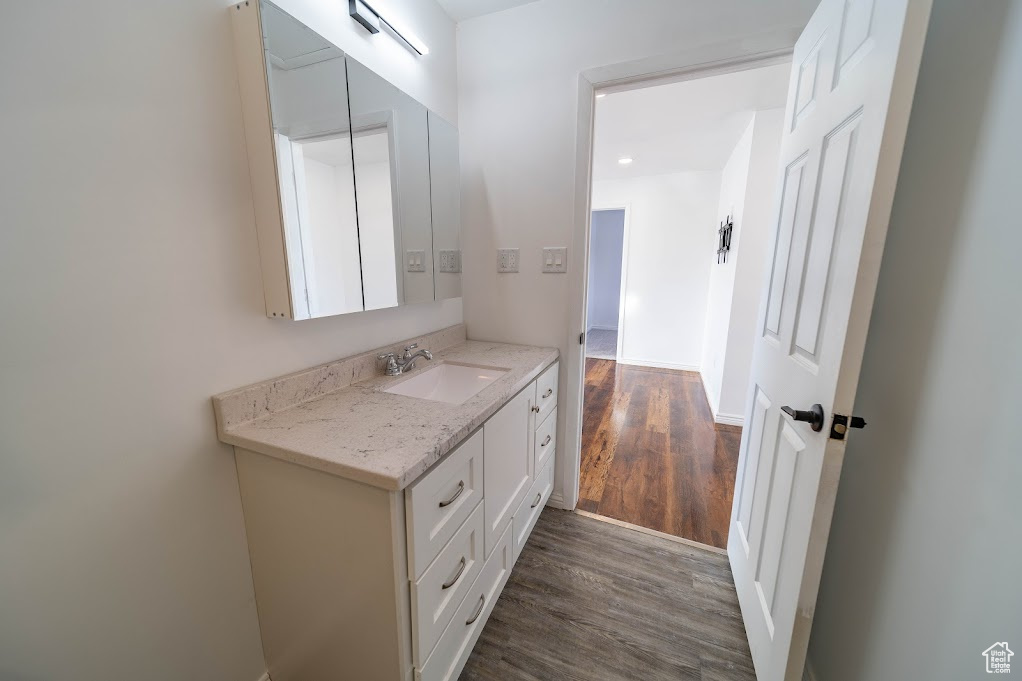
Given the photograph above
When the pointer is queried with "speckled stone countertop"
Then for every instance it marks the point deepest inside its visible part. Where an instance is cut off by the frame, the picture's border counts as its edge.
(359, 432)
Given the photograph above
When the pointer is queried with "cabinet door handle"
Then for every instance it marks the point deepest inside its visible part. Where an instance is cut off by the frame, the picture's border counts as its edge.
(479, 610)
(545, 442)
(536, 502)
(535, 409)
(455, 578)
(461, 488)
(548, 393)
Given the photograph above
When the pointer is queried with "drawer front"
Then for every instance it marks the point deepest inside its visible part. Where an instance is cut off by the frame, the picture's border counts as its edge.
(527, 515)
(454, 647)
(442, 587)
(546, 392)
(439, 502)
(546, 440)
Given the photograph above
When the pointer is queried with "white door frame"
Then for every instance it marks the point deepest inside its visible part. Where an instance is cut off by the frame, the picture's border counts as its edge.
(622, 282)
(726, 57)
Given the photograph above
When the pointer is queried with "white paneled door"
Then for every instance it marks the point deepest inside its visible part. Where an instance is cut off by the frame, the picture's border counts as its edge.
(853, 76)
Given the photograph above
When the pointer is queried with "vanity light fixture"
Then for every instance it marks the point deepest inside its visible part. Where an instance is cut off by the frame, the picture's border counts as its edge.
(363, 13)
(624, 161)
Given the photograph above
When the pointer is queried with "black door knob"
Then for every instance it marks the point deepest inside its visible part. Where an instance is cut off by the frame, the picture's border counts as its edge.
(814, 417)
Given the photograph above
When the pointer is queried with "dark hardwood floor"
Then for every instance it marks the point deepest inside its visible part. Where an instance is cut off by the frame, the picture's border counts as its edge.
(591, 601)
(652, 455)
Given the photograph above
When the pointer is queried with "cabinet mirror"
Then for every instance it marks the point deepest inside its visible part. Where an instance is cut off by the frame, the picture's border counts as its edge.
(354, 183)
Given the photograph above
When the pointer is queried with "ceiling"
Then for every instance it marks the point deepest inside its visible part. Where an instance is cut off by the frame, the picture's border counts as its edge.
(460, 10)
(687, 126)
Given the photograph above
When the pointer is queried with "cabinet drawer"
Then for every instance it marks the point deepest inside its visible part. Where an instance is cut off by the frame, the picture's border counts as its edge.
(546, 440)
(528, 513)
(439, 502)
(455, 645)
(443, 585)
(546, 392)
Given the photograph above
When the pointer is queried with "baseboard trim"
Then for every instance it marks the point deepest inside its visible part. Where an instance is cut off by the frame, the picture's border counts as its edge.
(652, 533)
(557, 501)
(597, 327)
(729, 420)
(657, 365)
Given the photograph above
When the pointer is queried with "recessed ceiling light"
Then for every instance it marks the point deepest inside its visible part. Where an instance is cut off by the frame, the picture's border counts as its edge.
(601, 95)
(624, 161)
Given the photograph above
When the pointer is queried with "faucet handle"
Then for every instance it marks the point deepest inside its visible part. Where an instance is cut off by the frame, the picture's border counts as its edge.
(389, 355)
(411, 347)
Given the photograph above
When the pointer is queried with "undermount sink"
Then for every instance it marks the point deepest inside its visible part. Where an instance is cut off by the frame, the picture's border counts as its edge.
(448, 382)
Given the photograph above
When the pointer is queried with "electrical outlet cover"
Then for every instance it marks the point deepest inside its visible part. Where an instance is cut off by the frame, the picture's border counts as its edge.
(555, 259)
(507, 259)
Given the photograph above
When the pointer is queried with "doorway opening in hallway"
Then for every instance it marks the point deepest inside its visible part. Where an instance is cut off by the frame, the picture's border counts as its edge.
(683, 180)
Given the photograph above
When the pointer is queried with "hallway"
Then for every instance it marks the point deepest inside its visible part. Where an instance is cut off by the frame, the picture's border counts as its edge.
(652, 455)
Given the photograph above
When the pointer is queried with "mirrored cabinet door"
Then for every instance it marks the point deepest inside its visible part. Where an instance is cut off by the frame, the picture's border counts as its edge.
(391, 134)
(355, 185)
(312, 137)
(445, 193)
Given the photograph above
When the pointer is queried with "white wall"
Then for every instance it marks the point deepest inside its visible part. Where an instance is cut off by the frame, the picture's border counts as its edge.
(748, 191)
(733, 180)
(125, 205)
(606, 244)
(335, 284)
(518, 185)
(921, 573)
(670, 220)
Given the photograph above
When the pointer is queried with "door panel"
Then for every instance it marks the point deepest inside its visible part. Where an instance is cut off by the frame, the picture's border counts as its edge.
(853, 76)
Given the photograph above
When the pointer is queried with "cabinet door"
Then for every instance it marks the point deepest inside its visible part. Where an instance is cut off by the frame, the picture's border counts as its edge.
(507, 463)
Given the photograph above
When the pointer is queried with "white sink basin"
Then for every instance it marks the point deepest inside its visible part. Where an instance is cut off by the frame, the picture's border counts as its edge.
(447, 382)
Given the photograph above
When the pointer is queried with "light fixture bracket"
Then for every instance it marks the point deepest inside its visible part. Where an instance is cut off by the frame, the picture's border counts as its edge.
(370, 19)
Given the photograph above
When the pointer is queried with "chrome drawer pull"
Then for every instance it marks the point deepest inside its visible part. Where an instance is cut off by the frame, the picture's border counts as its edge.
(546, 441)
(548, 393)
(479, 610)
(461, 488)
(536, 502)
(455, 578)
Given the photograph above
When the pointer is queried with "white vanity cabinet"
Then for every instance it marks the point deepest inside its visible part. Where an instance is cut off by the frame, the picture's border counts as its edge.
(354, 581)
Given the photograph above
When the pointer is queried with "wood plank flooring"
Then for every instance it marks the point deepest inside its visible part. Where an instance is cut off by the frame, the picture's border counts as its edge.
(591, 601)
(652, 455)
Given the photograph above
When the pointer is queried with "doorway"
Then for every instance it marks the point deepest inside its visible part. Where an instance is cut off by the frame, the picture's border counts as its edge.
(673, 289)
(606, 265)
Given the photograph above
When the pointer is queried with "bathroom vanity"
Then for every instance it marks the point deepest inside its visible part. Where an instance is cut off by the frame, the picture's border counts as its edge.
(384, 513)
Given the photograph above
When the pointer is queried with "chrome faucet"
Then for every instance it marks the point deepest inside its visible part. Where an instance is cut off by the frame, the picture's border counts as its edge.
(398, 365)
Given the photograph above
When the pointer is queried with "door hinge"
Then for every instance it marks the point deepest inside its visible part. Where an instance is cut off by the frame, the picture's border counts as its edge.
(839, 427)
(582, 338)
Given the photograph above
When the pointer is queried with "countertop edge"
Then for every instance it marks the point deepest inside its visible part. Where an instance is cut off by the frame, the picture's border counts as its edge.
(411, 473)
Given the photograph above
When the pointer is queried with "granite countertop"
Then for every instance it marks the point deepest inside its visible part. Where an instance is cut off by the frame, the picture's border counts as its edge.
(382, 439)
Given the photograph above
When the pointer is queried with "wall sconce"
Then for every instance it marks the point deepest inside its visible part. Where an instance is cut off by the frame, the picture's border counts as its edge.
(371, 20)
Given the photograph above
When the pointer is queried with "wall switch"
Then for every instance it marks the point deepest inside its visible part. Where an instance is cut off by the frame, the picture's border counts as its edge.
(555, 259)
(507, 259)
(416, 261)
(450, 261)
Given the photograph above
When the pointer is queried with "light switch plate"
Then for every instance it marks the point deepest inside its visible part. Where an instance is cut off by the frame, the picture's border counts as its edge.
(415, 261)
(555, 259)
(507, 259)
(450, 261)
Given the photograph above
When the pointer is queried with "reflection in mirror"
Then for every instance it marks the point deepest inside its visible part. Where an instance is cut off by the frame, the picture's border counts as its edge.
(445, 191)
(309, 111)
(374, 182)
(378, 106)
